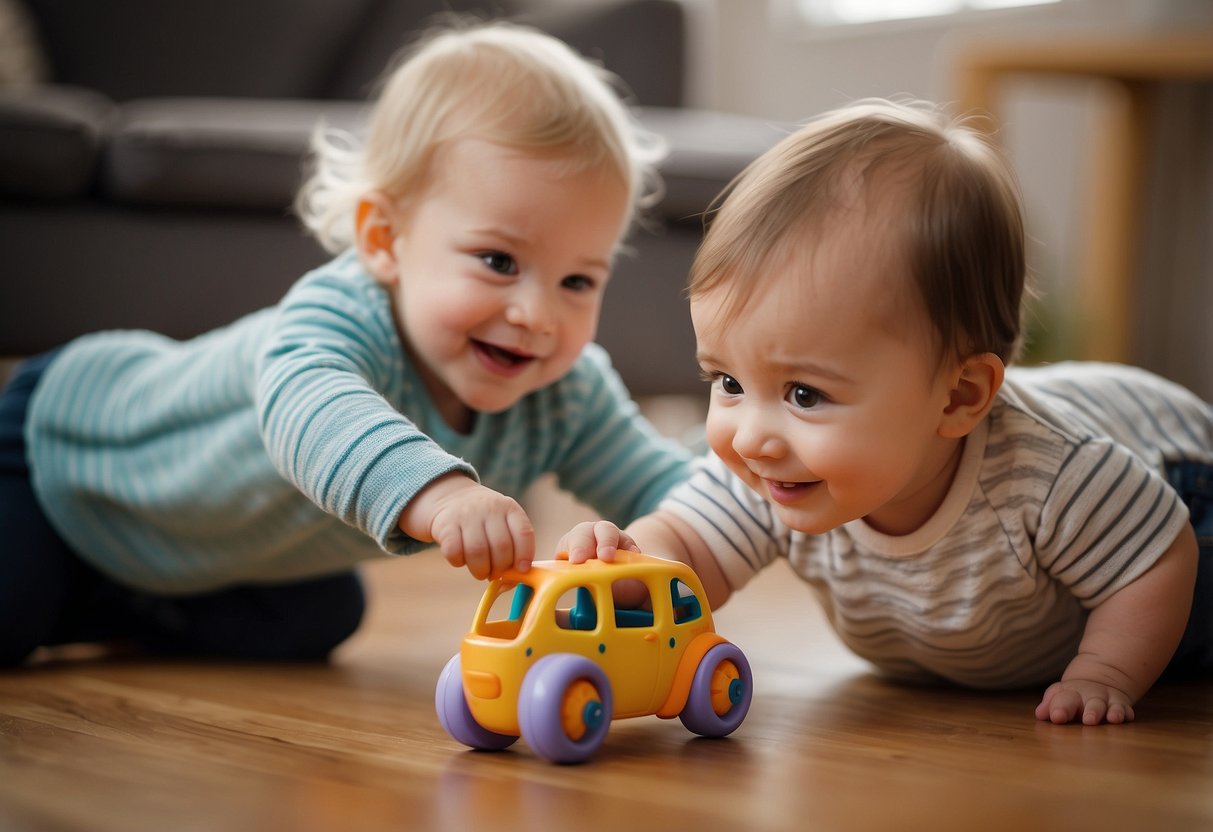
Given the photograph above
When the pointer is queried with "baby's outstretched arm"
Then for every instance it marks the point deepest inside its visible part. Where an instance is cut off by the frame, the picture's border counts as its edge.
(661, 534)
(1128, 641)
(474, 526)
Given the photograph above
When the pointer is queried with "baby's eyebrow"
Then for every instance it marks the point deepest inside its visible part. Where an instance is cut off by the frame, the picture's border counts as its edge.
(500, 234)
(795, 368)
(596, 263)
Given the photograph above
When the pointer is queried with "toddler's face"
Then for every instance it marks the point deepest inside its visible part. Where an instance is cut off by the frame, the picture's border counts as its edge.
(826, 399)
(501, 267)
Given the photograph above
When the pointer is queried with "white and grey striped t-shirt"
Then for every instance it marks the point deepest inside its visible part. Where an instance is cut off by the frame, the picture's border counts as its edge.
(1059, 501)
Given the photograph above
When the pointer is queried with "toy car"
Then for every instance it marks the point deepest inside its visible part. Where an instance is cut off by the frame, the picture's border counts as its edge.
(552, 658)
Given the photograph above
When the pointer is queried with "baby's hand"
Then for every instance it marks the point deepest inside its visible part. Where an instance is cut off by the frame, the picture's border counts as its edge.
(596, 538)
(474, 526)
(1094, 702)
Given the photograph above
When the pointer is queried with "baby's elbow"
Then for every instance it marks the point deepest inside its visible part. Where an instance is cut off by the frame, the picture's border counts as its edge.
(1185, 551)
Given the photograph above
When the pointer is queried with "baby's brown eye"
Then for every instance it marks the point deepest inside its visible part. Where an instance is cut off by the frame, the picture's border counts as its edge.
(729, 385)
(498, 261)
(805, 397)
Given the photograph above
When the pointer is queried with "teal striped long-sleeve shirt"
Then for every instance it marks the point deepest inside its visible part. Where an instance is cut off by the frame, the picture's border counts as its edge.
(286, 444)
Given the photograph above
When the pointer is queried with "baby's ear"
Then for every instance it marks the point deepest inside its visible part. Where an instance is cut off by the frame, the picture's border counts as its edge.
(374, 235)
(972, 395)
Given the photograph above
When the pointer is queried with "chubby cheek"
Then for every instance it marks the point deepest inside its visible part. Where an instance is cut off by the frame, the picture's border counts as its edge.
(430, 339)
(577, 329)
(571, 341)
(719, 432)
(862, 475)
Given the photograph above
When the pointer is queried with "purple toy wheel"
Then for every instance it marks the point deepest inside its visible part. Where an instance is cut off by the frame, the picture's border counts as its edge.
(456, 717)
(564, 708)
(720, 692)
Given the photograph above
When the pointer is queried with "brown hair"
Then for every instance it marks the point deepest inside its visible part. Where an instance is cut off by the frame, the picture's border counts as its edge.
(962, 230)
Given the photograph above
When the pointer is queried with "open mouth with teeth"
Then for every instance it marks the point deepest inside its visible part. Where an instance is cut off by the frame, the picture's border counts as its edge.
(500, 360)
(788, 492)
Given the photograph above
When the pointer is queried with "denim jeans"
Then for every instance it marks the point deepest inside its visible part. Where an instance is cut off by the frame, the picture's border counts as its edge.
(1194, 482)
(50, 595)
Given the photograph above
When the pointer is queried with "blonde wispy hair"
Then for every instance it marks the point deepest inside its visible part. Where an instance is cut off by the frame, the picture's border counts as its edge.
(495, 81)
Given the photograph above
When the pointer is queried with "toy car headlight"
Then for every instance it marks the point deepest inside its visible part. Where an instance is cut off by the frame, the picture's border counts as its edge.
(482, 684)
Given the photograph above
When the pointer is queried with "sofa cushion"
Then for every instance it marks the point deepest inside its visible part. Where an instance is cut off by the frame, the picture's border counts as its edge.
(50, 140)
(216, 153)
(706, 150)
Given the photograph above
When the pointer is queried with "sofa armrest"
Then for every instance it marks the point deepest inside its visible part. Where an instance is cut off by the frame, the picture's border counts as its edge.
(225, 153)
(50, 140)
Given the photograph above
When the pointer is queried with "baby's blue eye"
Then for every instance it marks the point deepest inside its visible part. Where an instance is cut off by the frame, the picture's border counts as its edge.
(805, 397)
(578, 282)
(730, 385)
(499, 262)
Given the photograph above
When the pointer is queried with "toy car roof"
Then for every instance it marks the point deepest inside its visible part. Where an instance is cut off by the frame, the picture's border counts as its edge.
(626, 564)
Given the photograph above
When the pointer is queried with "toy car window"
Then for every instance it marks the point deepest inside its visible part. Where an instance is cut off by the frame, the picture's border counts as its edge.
(575, 610)
(522, 599)
(686, 605)
(633, 604)
(505, 614)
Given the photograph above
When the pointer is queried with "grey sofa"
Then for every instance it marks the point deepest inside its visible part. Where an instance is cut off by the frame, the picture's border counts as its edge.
(146, 182)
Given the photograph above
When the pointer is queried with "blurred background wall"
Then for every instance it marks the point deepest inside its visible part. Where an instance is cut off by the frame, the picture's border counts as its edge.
(758, 57)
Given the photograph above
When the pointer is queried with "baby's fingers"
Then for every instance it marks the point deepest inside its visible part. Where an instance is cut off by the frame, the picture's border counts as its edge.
(595, 539)
(522, 544)
(466, 544)
(1092, 703)
(1096, 709)
(1059, 705)
(470, 548)
(451, 546)
(579, 542)
(611, 538)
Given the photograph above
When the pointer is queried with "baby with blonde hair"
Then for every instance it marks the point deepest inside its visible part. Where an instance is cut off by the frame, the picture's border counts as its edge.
(212, 496)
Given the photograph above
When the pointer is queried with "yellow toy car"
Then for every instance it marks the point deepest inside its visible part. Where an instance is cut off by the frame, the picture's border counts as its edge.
(551, 657)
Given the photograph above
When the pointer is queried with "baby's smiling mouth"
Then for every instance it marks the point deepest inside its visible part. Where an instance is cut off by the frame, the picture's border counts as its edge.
(788, 492)
(499, 358)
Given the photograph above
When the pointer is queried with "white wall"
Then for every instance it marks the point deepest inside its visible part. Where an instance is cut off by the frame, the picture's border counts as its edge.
(747, 56)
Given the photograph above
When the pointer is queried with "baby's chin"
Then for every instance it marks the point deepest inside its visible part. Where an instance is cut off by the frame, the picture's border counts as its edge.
(500, 404)
(805, 521)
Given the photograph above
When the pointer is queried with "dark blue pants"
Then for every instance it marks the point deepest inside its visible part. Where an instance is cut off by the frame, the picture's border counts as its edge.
(1194, 656)
(49, 595)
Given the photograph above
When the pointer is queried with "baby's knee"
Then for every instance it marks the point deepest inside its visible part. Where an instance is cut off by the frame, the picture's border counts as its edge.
(334, 613)
(23, 628)
(346, 606)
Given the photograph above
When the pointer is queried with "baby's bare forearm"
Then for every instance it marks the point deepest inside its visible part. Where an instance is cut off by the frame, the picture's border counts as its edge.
(1130, 638)
(1128, 641)
(656, 535)
(666, 535)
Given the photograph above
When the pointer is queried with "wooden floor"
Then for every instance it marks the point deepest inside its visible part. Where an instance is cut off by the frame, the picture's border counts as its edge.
(142, 746)
(138, 745)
